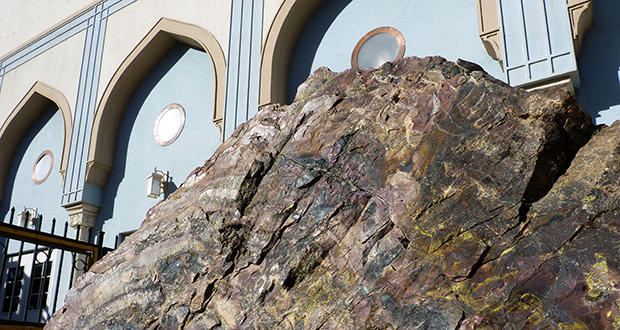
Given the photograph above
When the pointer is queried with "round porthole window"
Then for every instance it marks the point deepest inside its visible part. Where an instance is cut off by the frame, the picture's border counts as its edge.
(169, 124)
(42, 167)
(384, 44)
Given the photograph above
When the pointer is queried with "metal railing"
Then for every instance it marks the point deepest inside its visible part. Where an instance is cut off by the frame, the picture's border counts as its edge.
(29, 282)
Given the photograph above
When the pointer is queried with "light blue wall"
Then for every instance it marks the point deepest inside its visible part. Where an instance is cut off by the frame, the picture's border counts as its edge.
(185, 76)
(46, 133)
(440, 27)
(599, 64)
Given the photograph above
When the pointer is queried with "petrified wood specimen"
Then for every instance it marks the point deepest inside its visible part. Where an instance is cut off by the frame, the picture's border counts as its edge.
(422, 195)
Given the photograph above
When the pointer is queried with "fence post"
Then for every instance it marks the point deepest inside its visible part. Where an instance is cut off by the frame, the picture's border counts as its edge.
(100, 244)
(32, 265)
(60, 264)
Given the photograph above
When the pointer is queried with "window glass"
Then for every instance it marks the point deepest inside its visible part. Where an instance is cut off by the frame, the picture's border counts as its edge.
(40, 285)
(42, 167)
(13, 290)
(381, 45)
(378, 49)
(169, 124)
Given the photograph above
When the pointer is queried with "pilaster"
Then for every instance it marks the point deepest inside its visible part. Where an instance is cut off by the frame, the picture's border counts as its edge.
(243, 69)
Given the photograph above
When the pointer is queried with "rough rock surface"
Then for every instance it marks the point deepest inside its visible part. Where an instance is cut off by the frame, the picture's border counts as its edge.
(422, 195)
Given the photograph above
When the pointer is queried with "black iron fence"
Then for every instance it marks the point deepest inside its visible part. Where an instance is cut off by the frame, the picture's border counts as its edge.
(38, 268)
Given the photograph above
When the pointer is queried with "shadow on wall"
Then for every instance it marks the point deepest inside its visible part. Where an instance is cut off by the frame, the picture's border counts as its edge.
(599, 65)
(17, 161)
(127, 126)
(171, 187)
(308, 44)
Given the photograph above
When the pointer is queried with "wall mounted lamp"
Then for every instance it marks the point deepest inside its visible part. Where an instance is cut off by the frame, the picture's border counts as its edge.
(157, 182)
(27, 217)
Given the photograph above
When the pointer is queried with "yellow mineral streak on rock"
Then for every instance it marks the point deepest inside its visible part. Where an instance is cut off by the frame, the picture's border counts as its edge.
(574, 326)
(347, 276)
(587, 204)
(423, 232)
(466, 236)
(466, 289)
(598, 279)
(507, 251)
(529, 301)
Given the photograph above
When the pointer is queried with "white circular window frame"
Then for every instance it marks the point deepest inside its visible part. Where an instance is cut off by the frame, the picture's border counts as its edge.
(49, 171)
(384, 29)
(174, 106)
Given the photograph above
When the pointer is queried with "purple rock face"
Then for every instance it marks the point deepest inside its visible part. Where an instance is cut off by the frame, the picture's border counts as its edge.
(422, 195)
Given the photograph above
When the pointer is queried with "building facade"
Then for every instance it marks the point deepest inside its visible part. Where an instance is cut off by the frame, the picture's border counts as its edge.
(97, 96)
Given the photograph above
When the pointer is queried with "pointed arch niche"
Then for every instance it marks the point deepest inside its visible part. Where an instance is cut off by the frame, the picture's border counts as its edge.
(279, 46)
(38, 98)
(128, 77)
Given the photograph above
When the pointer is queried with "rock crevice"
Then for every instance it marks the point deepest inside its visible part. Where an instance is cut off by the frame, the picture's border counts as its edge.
(423, 194)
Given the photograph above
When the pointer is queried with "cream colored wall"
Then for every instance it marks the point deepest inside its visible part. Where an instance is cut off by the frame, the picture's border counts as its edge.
(59, 68)
(270, 10)
(127, 27)
(22, 20)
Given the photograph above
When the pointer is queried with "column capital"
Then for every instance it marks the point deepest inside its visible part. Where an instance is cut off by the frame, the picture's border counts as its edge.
(82, 214)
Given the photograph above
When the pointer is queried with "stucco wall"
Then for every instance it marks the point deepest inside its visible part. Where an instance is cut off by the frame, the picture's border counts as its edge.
(22, 20)
(21, 191)
(599, 65)
(441, 27)
(184, 76)
(124, 31)
(270, 9)
(45, 134)
(59, 67)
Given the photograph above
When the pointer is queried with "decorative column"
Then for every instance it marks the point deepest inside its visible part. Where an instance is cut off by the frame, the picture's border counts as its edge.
(243, 69)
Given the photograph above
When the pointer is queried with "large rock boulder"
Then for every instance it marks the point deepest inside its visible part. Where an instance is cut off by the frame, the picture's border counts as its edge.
(422, 195)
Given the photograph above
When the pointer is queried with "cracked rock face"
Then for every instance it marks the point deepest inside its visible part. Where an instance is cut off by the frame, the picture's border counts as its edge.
(422, 195)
